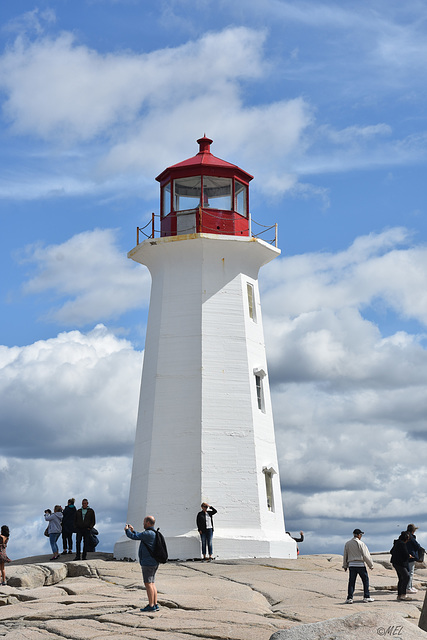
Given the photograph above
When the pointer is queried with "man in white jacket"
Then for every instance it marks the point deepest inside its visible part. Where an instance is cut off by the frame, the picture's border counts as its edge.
(356, 554)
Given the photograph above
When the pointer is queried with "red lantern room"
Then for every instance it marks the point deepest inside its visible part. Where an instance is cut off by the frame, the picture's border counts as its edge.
(204, 194)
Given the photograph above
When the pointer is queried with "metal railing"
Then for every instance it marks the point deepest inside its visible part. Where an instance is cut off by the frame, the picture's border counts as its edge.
(202, 215)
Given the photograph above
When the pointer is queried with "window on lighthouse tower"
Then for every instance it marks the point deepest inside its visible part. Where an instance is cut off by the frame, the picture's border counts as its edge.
(268, 474)
(259, 392)
(251, 301)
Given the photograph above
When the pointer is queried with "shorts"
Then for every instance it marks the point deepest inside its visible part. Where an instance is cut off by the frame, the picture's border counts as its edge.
(149, 572)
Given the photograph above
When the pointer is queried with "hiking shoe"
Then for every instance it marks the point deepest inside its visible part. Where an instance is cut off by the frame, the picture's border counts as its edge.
(349, 601)
(404, 599)
(148, 608)
(368, 600)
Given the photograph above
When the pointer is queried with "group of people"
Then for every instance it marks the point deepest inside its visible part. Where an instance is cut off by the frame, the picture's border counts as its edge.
(405, 552)
(68, 521)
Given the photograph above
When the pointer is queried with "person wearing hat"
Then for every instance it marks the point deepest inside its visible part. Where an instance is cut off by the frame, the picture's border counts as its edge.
(355, 558)
(413, 547)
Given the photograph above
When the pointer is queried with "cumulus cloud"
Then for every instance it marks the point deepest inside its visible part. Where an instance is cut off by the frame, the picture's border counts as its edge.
(99, 91)
(31, 485)
(96, 279)
(349, 399)
(372, 268)
(75, 394)
(132, 113)
(129, 104)
(68, 421)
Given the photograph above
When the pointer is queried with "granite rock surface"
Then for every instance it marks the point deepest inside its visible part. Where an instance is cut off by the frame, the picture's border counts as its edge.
(234, 599)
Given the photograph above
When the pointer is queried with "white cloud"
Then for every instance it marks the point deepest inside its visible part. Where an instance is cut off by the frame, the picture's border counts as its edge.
(99, 91)
(32, 485)
(98, 281)
(350, 402)
(133, 114)
(75, 394)
(68, 421)
(372, 268)
(132, 104)
(389, 35)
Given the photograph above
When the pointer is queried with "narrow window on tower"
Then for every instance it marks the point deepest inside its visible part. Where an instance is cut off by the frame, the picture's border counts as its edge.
(268, 474)
(251, 301)
(259, 392)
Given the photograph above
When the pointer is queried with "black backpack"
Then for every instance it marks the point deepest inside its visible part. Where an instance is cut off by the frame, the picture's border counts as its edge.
(160, 551)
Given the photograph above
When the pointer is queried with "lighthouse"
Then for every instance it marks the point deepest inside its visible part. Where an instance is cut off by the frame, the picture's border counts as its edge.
(205, 430)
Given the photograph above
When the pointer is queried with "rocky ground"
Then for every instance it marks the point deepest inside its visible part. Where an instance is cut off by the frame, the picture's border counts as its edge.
(235, 600)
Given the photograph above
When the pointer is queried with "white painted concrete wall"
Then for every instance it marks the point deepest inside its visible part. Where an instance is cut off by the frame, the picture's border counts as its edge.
(200, 434)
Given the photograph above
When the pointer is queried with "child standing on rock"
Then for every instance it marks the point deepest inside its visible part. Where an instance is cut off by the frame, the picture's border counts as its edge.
(4, 538)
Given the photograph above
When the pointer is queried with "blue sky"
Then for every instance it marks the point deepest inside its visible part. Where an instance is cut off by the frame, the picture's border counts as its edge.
(325, 104)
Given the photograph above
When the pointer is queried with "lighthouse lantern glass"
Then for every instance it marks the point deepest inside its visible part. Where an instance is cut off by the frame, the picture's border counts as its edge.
(240, 197)
(166, 200)
(187, 192)
(217, 193)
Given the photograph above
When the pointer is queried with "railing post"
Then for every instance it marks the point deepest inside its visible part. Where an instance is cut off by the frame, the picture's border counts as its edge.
(137, 236)
(276, 234)
(152, 225)
(250, 225)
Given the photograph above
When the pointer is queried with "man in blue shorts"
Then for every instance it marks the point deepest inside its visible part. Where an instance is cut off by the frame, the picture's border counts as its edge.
(149, 564)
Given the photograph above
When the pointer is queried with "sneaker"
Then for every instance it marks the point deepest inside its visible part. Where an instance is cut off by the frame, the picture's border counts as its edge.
(404, 599)
(368, 600)
(156, 607)
(411, 590)
(149, 608)
(349, 601)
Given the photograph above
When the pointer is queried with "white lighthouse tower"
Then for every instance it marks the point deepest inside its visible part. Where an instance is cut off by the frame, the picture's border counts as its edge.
(205, 428)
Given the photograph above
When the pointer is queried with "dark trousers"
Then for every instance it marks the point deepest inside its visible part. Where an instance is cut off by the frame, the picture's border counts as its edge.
(363, 573)
(206, 537)
(82, 534)
(67, 540)
(403, 579)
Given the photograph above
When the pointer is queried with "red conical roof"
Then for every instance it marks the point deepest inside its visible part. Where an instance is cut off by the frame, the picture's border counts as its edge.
(204, 162)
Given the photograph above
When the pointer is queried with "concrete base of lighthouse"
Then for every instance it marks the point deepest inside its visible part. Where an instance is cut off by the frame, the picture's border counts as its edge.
(227, 546)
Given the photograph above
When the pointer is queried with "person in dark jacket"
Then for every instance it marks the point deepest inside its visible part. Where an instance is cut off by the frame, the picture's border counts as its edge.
(400, 557)
(205, 528)
(85, 521)
(68, 524)
(413, 547)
